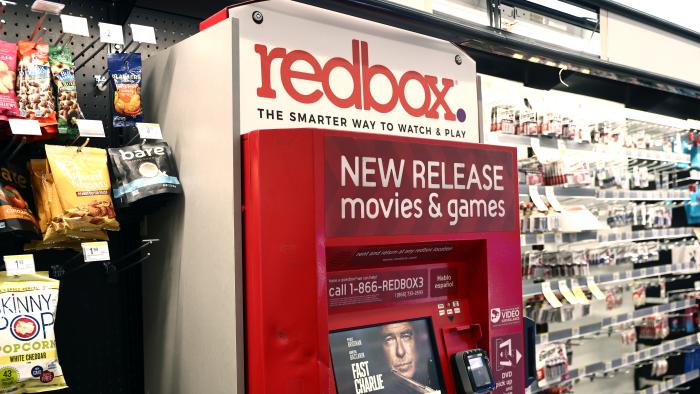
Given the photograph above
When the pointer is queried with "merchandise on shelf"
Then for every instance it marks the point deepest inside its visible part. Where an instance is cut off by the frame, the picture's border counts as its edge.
(125, 70)
(142, 171)
(34, 84)
(63, 73)
(8, 75)
(28, 355)
(16, 214)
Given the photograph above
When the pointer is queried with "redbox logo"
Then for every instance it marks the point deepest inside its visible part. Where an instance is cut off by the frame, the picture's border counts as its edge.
(434, 90)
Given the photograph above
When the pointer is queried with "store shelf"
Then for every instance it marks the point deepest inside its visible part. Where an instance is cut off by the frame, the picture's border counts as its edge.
(534, 289)
(645, 195)
(643, 235)
(671, 383)
(622, 195)
(562, 191)
(624, 318)
(611, 151)
(554, 239)
(627, 360)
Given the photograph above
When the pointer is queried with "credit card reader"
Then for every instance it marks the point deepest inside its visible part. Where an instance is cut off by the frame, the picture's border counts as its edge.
(472, 372)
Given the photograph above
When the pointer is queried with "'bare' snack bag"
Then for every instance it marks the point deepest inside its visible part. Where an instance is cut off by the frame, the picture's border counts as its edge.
(8, 69)
(144, 170)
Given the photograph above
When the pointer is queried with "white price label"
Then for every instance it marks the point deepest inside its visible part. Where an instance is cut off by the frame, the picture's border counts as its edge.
(550, 296)
(523, 240)
(576, 331)
(544, 338)
(558, 238)
(552, 198)
(111, 34)
(25, 127)
(95, 251)
(561, 145)
(644, 272)
(616, 276)
(75, 25)
(91, 128)
(141, 33)
(149, 131)
(22, 264)
(539, 239)
(566, 292)
(595, 290)
(536, 198)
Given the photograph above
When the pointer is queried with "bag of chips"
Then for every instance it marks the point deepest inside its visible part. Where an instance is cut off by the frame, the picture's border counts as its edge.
(34, 84)
(125, 70)
(8, 69)
(63, 73)
(144, 170)
(81, 178)
(15, 197)
(28, 356)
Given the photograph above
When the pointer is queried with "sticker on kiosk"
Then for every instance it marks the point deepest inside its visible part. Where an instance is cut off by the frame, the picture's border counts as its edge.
(389, 358)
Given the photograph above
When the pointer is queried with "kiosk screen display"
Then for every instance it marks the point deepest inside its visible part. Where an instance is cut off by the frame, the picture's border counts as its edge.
(389, 358)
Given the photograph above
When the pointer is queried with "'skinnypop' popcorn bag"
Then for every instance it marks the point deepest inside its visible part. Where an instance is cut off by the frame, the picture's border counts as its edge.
(28, 357)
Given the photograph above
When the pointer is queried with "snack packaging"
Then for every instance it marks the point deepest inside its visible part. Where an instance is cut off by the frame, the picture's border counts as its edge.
(81, 179)
(15, 196)
(8, 70)
(63, 73)
(28, 356)
(125, 70)
(144, 170)
(34, 84)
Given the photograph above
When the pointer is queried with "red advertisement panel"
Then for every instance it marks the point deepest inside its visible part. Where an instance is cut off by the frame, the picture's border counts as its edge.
(378, 187)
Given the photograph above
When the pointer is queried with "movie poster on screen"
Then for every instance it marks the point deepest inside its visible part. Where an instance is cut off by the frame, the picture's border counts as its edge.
(391, 358)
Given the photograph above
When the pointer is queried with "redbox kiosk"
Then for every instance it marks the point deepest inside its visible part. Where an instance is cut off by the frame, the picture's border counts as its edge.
(380, 264)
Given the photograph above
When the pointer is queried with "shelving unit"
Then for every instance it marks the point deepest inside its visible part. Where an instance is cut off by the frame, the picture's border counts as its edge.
(609, 322)
(534, 289)
(624, 361)
(672, 383)
(556, 239)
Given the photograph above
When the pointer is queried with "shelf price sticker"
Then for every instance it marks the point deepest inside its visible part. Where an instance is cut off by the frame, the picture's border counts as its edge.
(25, 127)
(91, 128)
(75, 25)
(578, 292)
(95, 251)
(536, 198)
(111, 34)
(566, 292)
(149, 131)
(552, 198)
(22, 264)
(550, 296)
(144, 34)
(593, 287)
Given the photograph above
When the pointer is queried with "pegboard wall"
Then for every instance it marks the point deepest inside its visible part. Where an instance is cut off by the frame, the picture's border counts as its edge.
(99, 317)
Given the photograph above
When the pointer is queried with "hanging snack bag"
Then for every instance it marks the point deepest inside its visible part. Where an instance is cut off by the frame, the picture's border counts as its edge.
(63, 73)
(15, 194)
(82, 181)
(144, 170)
(8, 69)
(28, 356)
(34, 84)
(125, 70)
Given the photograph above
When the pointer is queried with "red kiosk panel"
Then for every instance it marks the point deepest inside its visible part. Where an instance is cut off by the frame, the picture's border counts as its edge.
(371, 260)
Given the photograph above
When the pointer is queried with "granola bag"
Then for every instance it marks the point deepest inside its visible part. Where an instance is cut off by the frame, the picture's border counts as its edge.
(28, 356)
(34, 84)
(82, 182)
(16, 216)
(63, 73)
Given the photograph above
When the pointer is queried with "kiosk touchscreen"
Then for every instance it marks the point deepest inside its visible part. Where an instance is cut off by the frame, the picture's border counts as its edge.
(380, 264)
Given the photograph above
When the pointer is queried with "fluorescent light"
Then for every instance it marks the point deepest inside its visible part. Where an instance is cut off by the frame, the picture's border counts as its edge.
(534, 59)
(586, 71)
(518, 56)
(567, 8)
(551, 63)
